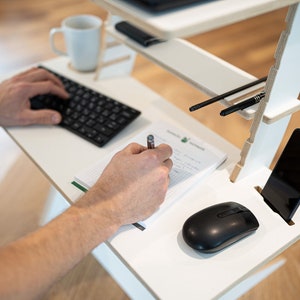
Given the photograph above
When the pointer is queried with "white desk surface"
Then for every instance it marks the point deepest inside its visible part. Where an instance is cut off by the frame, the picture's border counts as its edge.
(158, 257)
(195, 18)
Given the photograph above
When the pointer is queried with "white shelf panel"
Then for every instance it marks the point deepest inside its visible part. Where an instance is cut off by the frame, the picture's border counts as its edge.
(287, 108)
(201, 69)
(193, 19)
(196, 66)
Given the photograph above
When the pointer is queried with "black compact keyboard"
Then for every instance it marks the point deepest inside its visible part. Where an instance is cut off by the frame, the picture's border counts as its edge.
(89, 114)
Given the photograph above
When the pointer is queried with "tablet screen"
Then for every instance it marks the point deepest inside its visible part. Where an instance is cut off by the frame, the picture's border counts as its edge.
(282, 190)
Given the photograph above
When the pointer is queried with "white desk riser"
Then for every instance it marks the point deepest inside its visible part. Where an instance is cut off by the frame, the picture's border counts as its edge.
(156, 263)
(193, 19)
(159, 253)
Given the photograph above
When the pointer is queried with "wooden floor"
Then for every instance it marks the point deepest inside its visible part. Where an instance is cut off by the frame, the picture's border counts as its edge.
(24, 30)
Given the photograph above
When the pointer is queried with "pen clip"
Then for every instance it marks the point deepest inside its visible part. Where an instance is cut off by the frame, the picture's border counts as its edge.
(243, 104)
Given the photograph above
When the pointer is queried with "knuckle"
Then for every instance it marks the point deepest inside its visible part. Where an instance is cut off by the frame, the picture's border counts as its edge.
(162, 174)
(48, 86)
(20, 89)
(21, 86)
(153, 157)
(150, 160)
(24, 121)
(165, 171)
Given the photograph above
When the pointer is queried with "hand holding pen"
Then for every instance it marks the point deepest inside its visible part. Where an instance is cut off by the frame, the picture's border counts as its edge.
(137, 171)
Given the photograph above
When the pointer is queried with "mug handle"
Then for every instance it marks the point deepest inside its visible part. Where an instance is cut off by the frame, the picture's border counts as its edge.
(53, 31)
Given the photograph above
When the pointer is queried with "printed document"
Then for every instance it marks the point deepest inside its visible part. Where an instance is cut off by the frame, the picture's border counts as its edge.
(193, 160)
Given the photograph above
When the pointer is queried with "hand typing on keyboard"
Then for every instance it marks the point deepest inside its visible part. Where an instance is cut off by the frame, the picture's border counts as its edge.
(89, 114)
(15, 94)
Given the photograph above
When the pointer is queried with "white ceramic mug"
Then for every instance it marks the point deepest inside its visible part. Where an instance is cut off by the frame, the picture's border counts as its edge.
(82, 38)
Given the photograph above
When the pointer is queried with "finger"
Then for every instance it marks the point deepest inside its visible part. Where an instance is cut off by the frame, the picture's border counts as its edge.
(163, 151)
(43, 75)
(44, 87)
(43, 117)
(38, 74)
(168, 163)
(135, 148)
(24, 73)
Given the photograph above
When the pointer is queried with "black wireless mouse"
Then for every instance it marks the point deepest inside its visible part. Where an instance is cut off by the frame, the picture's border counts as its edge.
(218, 226)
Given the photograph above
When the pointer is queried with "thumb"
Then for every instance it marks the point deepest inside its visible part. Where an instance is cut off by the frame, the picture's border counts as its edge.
(43, 116)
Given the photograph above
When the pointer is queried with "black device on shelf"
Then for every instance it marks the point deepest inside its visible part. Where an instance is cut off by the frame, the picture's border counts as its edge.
(282, 190)
(87, 113)
(143, 38)
(164, 5)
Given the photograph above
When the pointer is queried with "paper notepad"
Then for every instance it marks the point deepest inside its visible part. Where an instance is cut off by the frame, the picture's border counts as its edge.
(193, 160)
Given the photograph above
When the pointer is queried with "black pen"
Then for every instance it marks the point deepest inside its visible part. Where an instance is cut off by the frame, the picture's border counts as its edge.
(150, 141)
(227, 94)
(242, 105)
(150, 145)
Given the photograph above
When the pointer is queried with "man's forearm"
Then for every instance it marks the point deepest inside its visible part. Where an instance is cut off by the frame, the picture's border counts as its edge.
(31, 265)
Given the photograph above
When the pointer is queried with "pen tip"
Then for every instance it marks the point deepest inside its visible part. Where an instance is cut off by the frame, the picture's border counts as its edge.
(194, 107)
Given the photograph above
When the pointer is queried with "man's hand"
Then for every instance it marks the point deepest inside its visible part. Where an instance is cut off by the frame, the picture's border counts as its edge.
(16, 92)
(132, 186)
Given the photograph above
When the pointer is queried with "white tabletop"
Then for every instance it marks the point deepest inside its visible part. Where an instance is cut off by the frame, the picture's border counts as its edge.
(196, 18)
(157, 256)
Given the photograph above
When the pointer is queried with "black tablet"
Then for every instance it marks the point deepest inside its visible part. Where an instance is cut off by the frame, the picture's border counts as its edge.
(282, 190)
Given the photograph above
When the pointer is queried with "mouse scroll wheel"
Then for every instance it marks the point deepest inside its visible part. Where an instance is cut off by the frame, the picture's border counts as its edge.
(230, 212)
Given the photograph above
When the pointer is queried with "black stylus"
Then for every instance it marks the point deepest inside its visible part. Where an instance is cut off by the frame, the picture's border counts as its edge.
(242, 105)
(227, 94)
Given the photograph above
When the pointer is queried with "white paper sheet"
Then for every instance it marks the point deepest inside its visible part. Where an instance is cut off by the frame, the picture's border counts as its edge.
(193, 160)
